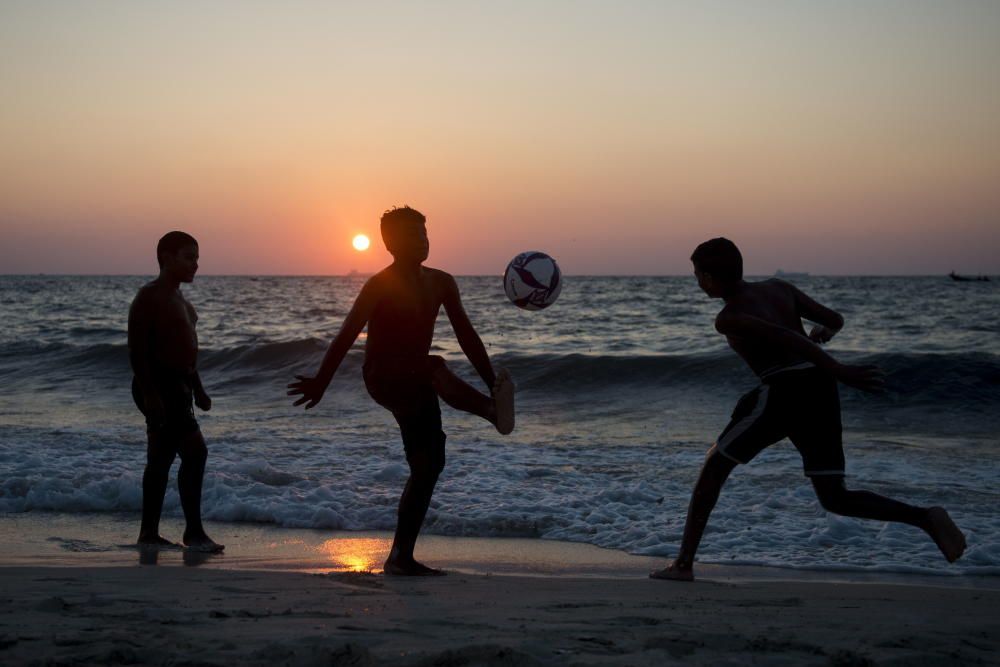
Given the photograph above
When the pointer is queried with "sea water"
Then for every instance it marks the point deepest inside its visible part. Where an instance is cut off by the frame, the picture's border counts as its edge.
(623, 384)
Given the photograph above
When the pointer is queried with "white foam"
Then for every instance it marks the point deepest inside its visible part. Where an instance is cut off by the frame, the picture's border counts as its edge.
(309, 471)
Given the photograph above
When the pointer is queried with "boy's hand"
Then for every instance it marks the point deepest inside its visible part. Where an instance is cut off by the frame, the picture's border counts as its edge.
(311, 389)
(202, 400)
(821, 334)
(865, 378)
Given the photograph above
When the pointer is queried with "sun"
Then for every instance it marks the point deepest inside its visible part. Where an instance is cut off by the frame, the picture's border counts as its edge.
(361, 242)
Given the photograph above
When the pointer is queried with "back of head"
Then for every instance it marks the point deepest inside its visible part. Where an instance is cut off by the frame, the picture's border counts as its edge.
(171, 243)
(396, 219)
(719, 258)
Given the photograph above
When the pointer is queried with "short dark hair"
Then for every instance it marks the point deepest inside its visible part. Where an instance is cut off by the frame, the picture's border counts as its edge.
(171, 243)
(719, 258)
(396, 218)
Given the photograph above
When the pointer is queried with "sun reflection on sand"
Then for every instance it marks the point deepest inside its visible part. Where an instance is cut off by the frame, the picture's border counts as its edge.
(360, 554)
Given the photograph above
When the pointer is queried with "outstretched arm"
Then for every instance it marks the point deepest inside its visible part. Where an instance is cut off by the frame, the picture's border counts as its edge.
(468, 339)
(312, 388)
(866, 378)
(828, 321)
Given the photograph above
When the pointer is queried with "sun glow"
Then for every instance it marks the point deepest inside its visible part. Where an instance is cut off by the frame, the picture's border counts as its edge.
(355, 554)
(361, 242)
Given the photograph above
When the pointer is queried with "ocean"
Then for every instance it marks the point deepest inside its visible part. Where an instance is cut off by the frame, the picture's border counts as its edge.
(623, 384)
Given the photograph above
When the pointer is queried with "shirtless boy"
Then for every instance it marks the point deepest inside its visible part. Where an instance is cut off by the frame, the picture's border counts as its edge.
(797, 399)
(163, 349)
(400, 305)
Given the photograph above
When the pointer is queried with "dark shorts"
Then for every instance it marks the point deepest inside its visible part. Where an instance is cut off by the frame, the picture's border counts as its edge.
(409, 395)
(798, 403)
(178, 408)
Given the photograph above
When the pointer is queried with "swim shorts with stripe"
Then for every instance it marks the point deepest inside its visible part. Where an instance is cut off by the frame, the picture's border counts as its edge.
(799, 402)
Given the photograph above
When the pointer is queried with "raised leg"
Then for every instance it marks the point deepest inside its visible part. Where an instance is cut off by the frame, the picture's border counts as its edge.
(498, 409)
(935, 521)
(714, 474)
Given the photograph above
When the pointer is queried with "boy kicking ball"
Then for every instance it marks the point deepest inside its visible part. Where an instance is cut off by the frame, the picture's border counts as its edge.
(797, 399)
(400, 305)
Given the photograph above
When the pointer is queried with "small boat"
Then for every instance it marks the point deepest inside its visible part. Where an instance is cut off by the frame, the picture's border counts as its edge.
(968, 279)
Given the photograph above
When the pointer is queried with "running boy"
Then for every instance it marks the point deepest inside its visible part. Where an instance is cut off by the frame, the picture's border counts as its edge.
(400, 305)
(163, 349)
(797, 399)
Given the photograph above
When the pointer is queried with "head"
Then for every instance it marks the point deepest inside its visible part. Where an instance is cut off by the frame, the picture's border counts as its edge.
(718, 266)
(404, 233)
(177, 254)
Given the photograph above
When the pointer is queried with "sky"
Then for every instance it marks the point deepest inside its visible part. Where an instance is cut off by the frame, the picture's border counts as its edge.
(830, 137)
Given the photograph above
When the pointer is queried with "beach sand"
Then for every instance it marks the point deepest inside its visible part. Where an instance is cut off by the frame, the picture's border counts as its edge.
(188, 616)
(288, 597)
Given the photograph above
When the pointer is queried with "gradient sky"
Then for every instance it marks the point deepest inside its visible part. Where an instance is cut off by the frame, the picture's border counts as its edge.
(831, 137)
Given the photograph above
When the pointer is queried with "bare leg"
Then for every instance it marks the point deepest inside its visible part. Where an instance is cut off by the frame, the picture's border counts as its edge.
(456, 392)
(836, 498)
(189, 481)
(425, 467)
(713, 475)
(159, 458)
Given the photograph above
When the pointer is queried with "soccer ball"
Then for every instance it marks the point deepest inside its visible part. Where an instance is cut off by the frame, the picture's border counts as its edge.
(532, 280)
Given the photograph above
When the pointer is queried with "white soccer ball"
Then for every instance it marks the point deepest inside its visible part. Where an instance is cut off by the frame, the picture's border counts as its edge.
(532, 280)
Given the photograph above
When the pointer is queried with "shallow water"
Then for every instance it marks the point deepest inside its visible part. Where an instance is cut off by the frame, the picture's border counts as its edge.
(622, 385)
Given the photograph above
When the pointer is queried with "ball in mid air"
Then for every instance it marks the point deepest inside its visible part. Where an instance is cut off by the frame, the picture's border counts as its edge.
(532, 280)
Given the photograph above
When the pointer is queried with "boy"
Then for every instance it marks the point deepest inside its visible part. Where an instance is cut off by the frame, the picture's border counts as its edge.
(400, 304)
(797, 399)
(163, 349)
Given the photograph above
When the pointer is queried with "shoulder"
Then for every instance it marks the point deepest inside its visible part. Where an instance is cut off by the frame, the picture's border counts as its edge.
(377, 281)
(441, 278)
(378, 287)
(783, 286)
(149, 294)
(438, 274)
(776, 292)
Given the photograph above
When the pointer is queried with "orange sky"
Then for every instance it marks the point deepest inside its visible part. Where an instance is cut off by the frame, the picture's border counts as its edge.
(826, 137)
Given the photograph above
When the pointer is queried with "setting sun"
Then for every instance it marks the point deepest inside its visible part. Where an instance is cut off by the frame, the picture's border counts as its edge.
(361, 242)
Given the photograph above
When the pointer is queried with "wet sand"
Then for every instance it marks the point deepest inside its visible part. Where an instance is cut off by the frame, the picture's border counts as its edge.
(287, 597)
(185, 615)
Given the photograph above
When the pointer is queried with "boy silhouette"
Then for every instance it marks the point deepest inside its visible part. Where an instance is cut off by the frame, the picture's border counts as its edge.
(400, 305)
(797, 398)
(163, 351)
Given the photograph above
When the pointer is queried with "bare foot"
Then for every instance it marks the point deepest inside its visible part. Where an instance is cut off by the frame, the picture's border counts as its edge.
(410, 569)
(503, 401)
(155, 542)
(673, 572)
(202, 543)
(946, 534)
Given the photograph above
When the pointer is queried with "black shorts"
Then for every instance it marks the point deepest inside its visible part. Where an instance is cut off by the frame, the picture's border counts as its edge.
(409, 395)
(178, 408)
(800, 403)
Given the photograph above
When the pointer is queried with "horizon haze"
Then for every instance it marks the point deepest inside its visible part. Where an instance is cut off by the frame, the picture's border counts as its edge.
(831, 138)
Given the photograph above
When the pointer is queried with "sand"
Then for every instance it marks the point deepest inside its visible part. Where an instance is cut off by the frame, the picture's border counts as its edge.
(187, 616)
(295, 597)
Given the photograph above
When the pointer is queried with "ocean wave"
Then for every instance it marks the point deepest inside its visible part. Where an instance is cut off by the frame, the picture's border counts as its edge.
(968, 378)
(752, 526)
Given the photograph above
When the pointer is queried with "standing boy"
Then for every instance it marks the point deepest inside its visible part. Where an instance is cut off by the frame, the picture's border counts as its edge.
(797, 399)
(400, 305)
(163, 350)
